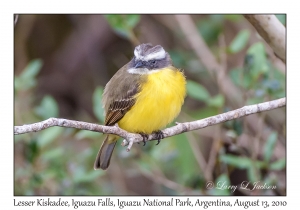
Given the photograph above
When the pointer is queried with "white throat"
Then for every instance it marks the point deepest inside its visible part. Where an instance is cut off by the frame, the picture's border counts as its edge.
(142, 71)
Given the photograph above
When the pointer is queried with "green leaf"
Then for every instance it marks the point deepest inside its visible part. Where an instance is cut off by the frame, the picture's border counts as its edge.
(123, 24)
(197, 91)
(47, 136)
(132, 20)
(269, 146)
(237, 126)
(26, 80)
(216, 101)
(253, 173)
(32, 69)
(97, 105)
(239, 42)
(240, 162)
(48, 108)
(210, 28)
(188, 164)
(278, 165)
(258, 61)
(240, 79)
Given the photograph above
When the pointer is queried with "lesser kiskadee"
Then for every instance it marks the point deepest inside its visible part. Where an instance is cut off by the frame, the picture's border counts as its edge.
(142, 97)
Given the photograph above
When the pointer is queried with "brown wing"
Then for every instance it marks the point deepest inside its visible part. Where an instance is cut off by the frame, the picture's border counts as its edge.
(119, 107)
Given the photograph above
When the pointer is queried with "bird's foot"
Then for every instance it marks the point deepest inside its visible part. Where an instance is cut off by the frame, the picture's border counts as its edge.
(159, 135)
(145, 137)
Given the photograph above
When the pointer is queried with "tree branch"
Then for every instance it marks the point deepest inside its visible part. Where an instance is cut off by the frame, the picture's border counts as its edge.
(208, 59)
(272, 31)
(130, 138)
(210, 62)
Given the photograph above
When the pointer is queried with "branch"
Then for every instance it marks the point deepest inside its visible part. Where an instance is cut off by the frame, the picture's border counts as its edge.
(130, 138)
(272, 31)
(208, 59)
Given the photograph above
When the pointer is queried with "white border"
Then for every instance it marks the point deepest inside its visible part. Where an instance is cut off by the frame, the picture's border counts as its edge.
(221, 6)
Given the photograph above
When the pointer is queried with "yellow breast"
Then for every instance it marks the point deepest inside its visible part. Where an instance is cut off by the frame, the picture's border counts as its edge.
(158, 103)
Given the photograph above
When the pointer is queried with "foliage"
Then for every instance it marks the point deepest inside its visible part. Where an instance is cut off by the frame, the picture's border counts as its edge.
(239, 42)
(47, 148)
(27, 79)
(123, 24)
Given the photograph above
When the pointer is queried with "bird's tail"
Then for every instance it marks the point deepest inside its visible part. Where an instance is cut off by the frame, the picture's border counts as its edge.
(105, 152)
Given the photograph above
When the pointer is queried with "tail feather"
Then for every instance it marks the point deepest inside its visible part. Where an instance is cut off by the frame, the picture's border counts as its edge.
(103, 157)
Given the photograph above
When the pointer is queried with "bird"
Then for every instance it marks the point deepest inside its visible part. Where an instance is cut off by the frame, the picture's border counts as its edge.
(143, 96)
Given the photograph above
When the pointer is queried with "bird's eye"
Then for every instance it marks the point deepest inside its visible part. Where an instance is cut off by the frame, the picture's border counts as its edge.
(153, 62)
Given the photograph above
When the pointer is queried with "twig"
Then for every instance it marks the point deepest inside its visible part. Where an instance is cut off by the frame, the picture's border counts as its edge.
(130, 138)
(272, 31)
(197, 43)
(207, 58)
(217, 133)
(213, 152)
(199, 156)
(159, 177)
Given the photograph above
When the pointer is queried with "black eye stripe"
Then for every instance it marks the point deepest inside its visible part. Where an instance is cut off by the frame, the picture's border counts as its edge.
(150, 64)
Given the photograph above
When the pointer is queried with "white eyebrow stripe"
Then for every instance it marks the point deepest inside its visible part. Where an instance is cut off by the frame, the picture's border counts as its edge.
(156, 55)
(137, 52)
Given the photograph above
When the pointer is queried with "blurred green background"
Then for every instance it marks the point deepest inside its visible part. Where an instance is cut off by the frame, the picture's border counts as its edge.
(62, 63)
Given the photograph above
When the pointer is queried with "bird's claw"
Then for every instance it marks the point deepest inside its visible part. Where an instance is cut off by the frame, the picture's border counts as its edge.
(159, 135)
(145, 137)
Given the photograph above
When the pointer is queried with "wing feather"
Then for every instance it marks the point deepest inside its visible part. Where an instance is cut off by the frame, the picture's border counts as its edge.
(120, 107)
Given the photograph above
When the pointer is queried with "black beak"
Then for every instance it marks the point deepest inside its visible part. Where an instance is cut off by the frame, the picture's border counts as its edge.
(139, 64)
